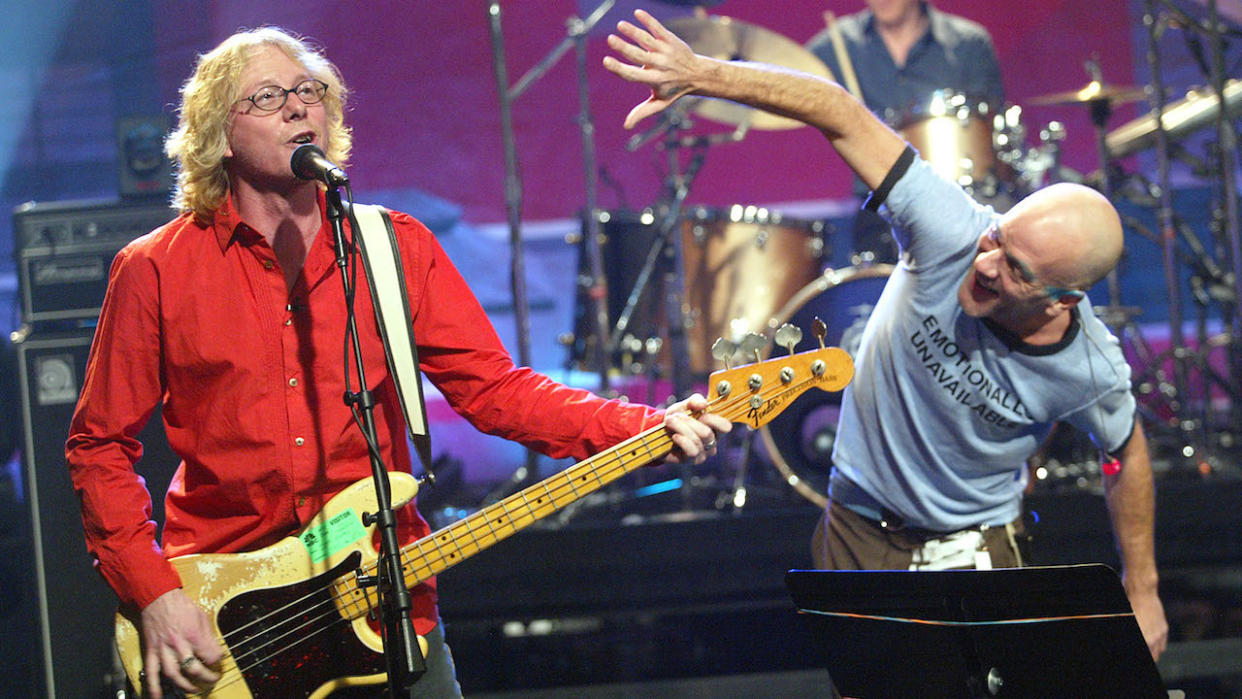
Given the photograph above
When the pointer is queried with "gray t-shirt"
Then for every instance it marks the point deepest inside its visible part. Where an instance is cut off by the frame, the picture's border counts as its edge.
(945, 409)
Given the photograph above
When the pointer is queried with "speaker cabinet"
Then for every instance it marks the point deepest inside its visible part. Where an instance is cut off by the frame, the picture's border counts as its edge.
(72, 606)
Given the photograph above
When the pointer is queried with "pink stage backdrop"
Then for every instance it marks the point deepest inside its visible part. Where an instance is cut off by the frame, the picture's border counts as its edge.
(426, 116)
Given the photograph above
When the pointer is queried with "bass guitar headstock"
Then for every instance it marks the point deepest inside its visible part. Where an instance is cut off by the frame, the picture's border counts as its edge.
(756, 393)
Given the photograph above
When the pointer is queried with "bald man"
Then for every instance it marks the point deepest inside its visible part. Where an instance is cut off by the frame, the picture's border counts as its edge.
(982, 339)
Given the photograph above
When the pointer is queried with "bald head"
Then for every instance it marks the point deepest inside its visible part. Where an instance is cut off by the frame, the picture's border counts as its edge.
(1074, 230)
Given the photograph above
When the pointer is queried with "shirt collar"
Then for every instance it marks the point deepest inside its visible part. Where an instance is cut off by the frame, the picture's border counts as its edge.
(227, 223)
(1017, 344)
(939, 26)
(936, 24)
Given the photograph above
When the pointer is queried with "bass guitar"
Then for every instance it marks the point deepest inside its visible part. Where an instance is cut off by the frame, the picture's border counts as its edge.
(293, 617)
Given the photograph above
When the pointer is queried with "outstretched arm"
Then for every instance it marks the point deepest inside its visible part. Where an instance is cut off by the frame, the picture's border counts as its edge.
(1131, 506)
(656, 57)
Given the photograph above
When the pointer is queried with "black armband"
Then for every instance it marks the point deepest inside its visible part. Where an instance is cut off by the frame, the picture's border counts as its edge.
(895, 173)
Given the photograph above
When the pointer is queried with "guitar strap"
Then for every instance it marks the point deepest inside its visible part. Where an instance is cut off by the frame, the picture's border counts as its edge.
(381, 260)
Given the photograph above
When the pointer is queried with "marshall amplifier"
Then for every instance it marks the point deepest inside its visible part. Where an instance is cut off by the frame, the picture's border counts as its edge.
(63, 251)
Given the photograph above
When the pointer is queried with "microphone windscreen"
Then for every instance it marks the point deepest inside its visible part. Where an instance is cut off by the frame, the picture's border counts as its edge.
(303, 161)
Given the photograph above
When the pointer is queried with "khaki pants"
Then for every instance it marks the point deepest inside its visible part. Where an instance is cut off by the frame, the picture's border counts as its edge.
(845, 540)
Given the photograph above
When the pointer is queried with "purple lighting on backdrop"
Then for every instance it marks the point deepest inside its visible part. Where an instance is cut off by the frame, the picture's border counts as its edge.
(426, 112)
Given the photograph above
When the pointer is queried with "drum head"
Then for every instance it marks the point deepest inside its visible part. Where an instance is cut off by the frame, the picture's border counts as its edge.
(799, 441)
(968, 141)
(742, 265)
(954, 134)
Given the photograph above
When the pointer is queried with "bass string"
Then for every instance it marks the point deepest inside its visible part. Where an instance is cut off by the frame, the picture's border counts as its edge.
(430, 554)
(731, 408)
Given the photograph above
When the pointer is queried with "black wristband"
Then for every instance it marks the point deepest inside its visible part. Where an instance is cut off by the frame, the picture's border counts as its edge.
(895, 173)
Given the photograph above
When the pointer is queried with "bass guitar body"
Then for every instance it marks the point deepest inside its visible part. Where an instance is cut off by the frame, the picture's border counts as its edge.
(286, 630)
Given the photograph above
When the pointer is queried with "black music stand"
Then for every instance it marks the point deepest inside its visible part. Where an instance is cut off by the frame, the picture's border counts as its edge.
(1093, 649)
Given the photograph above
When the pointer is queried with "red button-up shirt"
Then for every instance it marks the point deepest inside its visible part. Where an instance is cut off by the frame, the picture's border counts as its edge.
(252, 375)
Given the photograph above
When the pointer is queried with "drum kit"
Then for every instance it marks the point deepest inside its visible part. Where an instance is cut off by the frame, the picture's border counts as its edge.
(724, 272)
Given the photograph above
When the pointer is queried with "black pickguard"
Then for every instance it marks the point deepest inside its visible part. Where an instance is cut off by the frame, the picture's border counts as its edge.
(289, 641)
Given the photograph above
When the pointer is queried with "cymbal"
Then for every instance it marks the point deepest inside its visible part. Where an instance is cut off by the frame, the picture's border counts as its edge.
(729, 39)
(1194, 111)
(1094, 91)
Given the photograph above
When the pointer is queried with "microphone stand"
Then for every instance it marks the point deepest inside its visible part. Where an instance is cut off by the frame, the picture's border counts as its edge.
(401, 651)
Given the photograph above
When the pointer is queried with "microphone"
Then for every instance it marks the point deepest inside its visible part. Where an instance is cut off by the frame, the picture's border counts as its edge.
(309, 163)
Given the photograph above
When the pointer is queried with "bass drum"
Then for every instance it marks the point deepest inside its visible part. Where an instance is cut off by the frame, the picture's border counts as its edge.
(799, 441)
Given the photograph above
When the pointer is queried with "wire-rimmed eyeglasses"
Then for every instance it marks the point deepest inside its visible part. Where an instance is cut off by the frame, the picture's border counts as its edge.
(270, 98)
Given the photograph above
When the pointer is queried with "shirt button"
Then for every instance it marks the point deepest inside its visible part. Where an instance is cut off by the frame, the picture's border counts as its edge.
(293, 382)
(288, 321)
(267, 264)
(299, 441)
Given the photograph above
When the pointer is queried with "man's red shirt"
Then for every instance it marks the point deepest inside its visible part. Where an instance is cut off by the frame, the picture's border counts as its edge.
(251, 376)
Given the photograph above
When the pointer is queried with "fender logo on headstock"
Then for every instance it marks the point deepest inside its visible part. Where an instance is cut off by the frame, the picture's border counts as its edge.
(755, 394)
(759, 416)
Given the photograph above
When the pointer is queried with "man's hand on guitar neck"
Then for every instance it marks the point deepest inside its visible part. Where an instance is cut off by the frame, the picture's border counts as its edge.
(179, 644)
(693, 430)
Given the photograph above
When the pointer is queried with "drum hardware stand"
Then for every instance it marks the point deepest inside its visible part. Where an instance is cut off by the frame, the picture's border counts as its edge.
(738, 497)
(1227, 138)
(1192, 430)
(1100, 110)
(1208, 285)
(1117, 318)
(1222, 286)
(676, 189)
(671, 120)
(664, 257)
(577, 33)
(1165, 218)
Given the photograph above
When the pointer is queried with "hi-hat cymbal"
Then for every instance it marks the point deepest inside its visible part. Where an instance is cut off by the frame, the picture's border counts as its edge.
(1180, 119)
(1094, 91)
(729, 39)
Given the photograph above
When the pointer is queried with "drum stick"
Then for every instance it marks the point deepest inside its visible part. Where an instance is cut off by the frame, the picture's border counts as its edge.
(843, 56)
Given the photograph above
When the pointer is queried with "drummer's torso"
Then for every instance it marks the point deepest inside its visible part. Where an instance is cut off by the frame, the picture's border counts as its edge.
(954, 55)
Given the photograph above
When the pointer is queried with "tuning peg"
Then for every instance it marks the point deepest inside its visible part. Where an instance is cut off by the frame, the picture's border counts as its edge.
(723, 350)
(788, 336)
(752, 344)
(820, 330)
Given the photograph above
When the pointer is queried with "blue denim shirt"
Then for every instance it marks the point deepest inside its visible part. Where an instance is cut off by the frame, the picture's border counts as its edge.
(955, 54)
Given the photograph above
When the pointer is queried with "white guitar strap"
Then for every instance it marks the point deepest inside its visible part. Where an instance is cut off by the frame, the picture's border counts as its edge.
(381, 260)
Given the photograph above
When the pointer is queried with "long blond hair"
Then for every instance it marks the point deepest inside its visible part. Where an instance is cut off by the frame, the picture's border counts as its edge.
(201, 138)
